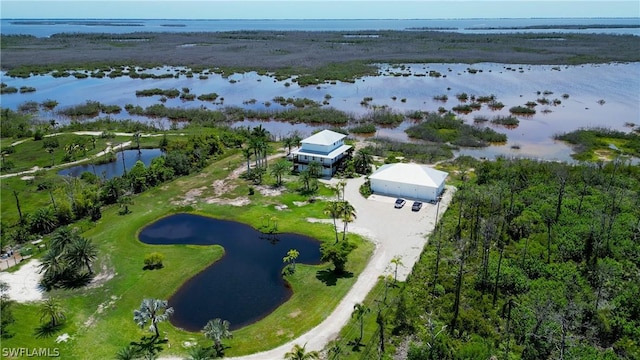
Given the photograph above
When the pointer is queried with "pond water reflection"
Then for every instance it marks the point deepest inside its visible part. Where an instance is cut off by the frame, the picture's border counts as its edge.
(115, 168)
(242, 287)
(399, 88)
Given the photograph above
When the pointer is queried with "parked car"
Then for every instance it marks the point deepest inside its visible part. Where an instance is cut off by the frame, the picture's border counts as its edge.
(417, 205)
(400, 203)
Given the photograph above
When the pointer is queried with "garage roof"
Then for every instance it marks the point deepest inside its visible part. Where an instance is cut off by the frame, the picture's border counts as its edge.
(415, 174)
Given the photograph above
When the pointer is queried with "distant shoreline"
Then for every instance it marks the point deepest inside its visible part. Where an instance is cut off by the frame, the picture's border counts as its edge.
(274, 50)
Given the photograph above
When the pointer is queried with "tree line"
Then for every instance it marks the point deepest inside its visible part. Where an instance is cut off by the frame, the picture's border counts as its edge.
(533, 260)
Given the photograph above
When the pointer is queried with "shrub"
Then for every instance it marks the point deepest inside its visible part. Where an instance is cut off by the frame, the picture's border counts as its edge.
(522, 110)
(5, 89)
(505, 120)
(363, 129)
(153, 261)
(365, 189)
(38, 135)
(50, 142)
(27, 89)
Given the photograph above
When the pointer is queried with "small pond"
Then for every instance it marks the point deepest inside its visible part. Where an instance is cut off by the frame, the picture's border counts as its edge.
(242, 287)
(114, 168)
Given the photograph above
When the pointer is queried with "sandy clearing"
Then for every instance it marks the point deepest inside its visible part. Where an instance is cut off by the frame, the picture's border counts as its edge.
(24, 284)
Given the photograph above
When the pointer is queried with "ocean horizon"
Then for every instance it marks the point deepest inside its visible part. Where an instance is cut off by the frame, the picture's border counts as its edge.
(45, 27)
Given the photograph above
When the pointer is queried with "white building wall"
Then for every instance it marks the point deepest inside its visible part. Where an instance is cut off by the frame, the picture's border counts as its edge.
(408, 191)
(316, 148)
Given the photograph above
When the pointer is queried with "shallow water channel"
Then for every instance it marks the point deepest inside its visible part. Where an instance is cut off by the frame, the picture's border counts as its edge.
(245, 285)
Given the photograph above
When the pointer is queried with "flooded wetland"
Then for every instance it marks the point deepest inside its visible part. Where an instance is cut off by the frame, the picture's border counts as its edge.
(566, 98)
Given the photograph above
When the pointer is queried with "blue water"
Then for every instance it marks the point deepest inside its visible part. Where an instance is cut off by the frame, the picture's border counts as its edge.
(242, 287)
(113, 169)
(48, 27)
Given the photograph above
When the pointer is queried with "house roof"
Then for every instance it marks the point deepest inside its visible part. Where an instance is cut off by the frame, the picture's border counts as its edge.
(324, 137)
(415, 174)
(333, 154)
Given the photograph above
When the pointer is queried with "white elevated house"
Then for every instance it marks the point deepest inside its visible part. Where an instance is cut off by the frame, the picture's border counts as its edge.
(325, 147)
(411, 181)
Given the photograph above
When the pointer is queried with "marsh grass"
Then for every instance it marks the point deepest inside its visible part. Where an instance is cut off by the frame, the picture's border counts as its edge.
(595, 143)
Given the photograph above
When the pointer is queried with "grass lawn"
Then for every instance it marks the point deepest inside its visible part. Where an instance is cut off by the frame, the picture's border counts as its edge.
(100, 319)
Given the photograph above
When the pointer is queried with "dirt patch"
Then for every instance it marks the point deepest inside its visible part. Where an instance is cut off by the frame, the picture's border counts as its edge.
(103, 276)
(268, 190)
(295, 313)
(240, 201)
(191, 197)
(101, 308)
(222, 187)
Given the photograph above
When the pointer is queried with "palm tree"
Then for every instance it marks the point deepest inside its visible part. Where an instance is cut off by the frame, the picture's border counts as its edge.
(80, 253)
(315, 169)
(43, 220)
(333, 209)
(136, 137)
(306, 178)
(363, 161)
(53, 311)
(290, 142)
(52, 264)
(259, 132)
(154, 311)
(359, 311)
(287, 143)
(217, 330)
(124, 202)
(348, 215)
(300, 353)
(128, 353)
(62, 238)
(200, 352)
(291, 257)
(397, 261)
(280, 168)
(262, 149)
(246, 151)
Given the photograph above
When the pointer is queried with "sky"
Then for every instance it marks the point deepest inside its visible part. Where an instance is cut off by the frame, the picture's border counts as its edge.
(314, 9)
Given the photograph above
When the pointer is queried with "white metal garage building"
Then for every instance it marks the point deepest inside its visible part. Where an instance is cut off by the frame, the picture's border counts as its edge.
(411, 181)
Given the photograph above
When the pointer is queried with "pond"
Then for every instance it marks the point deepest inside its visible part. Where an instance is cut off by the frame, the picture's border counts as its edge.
(242, 287)
(114, 168)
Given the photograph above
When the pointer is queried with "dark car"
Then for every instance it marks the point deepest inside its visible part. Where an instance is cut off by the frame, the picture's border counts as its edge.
(417, 205)
(400, 203)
